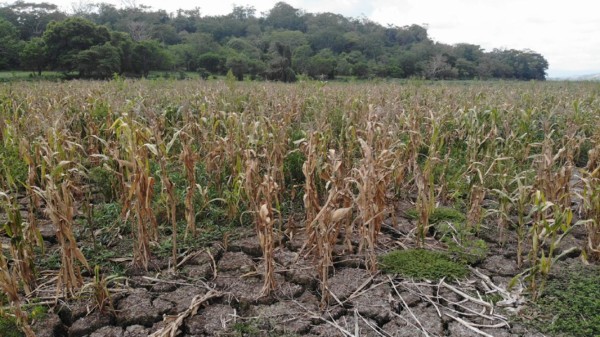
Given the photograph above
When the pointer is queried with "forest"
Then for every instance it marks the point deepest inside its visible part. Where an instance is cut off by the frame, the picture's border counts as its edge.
(282, 44)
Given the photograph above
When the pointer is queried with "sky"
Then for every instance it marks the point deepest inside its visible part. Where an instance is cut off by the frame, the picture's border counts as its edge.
(566, 33)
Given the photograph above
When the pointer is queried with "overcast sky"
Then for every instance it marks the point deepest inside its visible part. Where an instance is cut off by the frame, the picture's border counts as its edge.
(567, 33)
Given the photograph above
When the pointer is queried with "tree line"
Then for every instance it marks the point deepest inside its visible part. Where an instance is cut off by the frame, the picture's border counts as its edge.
(99, 40)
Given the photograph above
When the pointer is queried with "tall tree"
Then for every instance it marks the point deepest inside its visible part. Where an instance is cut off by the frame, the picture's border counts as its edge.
(149, 55)
(9, 45)
(284, 16)
(124, 44)
(31, 18)
(238, 64)
(34, 55)
(100, 61)
(280, 65)
(65, 39)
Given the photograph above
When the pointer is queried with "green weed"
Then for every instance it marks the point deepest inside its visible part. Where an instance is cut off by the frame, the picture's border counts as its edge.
(570, 304)
(422, 264)
(447, 214)
(9, 327)
(468, 251)
(439, 214)
(104, 181)
(12, 166)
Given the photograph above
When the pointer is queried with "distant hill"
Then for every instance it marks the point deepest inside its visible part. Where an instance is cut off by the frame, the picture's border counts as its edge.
(593, 77)
(586, 77)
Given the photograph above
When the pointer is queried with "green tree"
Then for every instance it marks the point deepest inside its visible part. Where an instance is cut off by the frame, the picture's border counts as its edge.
(212, 62)
(66, 39)
(361, 70)
(256, 69)
(301, 59)
(165, 33)
(201, 43)
(242, 46)
(291, 38)
(238, 64)
(322, 65)
(105, 14)
(280, 65)
(31, 18)
(99, 61)
(343, 65)
(517, 64)
(149, 55)
(124, 44)
(9, 45)
(186, 20)
(284, 16)
(184, 57)
(408, 35)
(34, 55)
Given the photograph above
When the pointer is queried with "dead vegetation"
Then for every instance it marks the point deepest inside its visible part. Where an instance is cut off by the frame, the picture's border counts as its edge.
(184, 159)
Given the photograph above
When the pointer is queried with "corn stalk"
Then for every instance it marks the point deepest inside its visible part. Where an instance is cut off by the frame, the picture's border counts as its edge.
(140, 186)
(372, 178)
(9, 286)
(21, 249)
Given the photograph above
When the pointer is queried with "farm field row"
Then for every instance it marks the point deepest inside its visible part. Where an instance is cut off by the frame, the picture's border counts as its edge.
(222, 189)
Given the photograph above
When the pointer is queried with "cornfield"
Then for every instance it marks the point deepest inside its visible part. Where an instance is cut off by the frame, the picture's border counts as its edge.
(181, 158)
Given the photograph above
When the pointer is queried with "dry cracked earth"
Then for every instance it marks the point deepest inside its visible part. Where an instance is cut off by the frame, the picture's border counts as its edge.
(361, 304)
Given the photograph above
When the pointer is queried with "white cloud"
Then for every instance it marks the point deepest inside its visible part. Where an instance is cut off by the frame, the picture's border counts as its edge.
(566, 33)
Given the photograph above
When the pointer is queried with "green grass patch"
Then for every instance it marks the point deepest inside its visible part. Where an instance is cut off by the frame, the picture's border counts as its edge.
(10, 76)
(9, 327)
(38, 312)
(570, 304)
(470, 250)
(422, 264)
(411, 214)
(447, 214)
(439, 214)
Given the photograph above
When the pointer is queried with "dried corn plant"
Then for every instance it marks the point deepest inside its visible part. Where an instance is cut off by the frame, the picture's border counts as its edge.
(552, 182)
(262, 196)
(432, 144)
(100, 291)
(140, 186)
(591, 204)
(61, 176)
(372, 178)
(189, 158)
(264, 227)
(475, 212)
(28, 153)
(424, 176)
(326, 226)
(9, 286)
(162, 151)
(21, 248)
(59, 200)
(310, 169)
